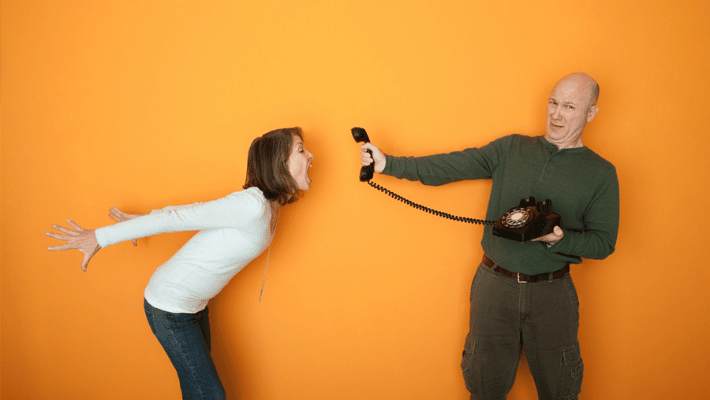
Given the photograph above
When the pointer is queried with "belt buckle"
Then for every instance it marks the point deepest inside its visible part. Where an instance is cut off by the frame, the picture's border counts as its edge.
(519, 281)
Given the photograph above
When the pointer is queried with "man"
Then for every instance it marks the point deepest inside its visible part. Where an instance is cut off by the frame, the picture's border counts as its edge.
(522, 293)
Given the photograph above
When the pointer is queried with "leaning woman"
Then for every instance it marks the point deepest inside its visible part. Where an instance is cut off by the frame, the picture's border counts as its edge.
(233, 231)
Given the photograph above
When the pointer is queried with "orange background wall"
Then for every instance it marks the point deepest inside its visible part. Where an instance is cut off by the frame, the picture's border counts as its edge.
(140, 105)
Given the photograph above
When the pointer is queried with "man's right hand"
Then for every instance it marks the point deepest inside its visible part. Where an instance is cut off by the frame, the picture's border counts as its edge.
(377, 156)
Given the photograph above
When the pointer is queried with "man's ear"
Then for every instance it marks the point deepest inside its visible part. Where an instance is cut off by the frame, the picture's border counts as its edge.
(592, 112)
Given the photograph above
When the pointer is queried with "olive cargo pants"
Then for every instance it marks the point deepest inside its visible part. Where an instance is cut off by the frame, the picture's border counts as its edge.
(506, 315)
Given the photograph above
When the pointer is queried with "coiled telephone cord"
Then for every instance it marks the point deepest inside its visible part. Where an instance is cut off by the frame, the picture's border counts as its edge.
(427, 209)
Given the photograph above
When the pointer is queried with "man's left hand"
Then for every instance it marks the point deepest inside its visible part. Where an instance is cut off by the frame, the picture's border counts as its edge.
(551, 238)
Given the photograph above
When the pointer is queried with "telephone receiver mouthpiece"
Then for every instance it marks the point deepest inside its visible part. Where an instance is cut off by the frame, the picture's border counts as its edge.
(367, 171)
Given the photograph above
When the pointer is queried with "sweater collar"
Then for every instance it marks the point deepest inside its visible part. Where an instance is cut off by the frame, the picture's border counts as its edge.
(554, 149)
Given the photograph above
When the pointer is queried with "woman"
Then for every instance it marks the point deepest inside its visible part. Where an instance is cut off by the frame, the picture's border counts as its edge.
(232, 231)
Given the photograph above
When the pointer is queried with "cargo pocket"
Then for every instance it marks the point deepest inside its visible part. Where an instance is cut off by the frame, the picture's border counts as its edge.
(467, 364)
(571, 373)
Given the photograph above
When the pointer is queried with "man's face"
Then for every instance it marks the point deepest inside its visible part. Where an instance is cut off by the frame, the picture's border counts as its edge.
(568, 111)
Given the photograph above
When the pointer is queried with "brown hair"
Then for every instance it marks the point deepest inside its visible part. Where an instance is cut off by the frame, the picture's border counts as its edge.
(267, 167)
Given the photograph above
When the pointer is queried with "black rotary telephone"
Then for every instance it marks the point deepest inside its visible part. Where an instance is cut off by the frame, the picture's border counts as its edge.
(529, 220)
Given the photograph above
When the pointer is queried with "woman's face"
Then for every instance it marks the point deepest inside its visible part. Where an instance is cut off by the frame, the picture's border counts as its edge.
(299, 161)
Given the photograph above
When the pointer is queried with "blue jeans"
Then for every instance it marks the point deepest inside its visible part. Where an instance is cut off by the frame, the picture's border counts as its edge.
(506, 315)
(186, 340)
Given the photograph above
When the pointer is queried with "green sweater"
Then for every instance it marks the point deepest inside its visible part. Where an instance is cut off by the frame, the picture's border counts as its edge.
(583, 187)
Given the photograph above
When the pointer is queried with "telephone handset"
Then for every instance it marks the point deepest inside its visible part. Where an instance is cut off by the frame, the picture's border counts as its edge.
(367, 171)
(529, 220)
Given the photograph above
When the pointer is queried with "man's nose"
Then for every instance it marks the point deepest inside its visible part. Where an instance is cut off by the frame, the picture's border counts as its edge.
(555, 112)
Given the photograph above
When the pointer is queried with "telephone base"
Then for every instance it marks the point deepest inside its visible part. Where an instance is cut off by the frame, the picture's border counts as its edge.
(541, 226)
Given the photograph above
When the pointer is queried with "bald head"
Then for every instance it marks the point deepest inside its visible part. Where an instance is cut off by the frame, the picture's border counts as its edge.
(590, 86)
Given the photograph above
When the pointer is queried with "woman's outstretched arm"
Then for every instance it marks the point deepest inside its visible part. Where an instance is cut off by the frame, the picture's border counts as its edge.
(78, 238)
(85, 240)
(119, 216)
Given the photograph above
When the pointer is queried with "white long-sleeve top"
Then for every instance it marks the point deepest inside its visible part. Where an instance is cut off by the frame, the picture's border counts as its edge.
(233, 231)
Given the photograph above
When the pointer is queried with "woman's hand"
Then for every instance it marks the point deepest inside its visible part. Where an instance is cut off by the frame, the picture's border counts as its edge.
(119, 216)
(78, 238)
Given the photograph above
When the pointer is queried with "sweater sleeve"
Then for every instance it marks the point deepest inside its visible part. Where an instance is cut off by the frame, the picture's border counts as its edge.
(440, 169)
(236, 210)
(601, 225)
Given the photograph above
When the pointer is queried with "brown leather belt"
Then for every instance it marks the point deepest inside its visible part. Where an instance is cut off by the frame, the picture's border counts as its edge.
(522, 278)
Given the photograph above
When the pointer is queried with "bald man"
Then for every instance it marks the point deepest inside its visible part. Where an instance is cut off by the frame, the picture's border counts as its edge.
(522, 293)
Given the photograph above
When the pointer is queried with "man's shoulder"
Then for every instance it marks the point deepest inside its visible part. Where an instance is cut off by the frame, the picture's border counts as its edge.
(520, 144)
(600, 162)
(516, 140)
(516, 137)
